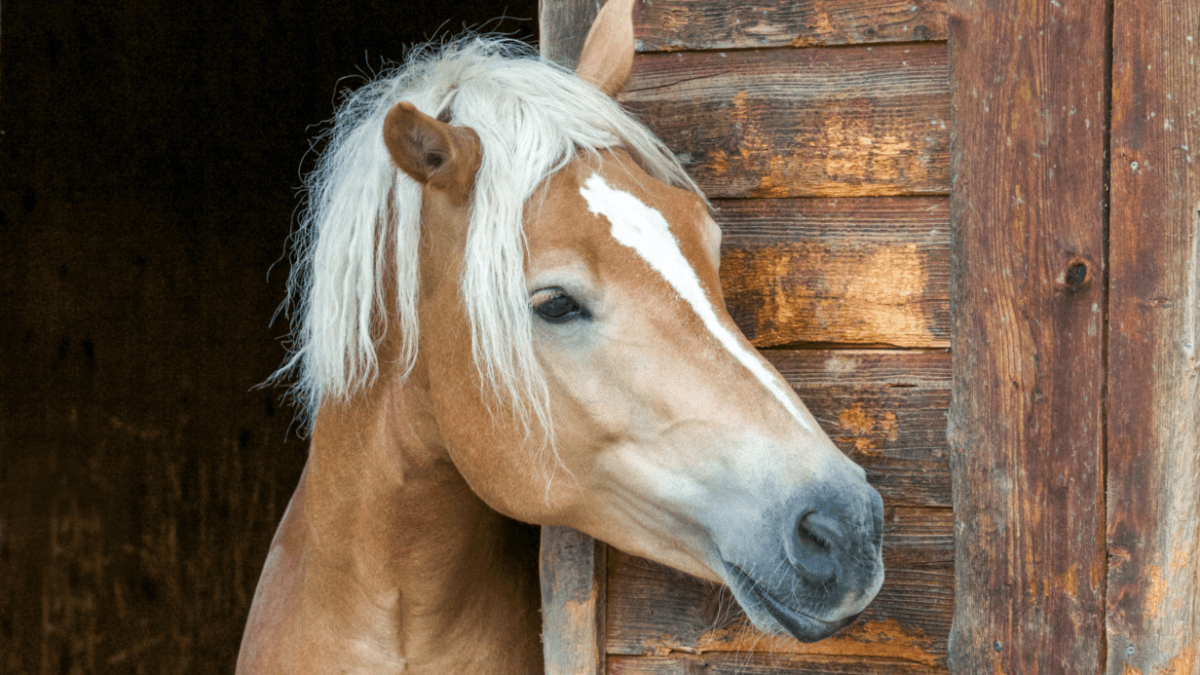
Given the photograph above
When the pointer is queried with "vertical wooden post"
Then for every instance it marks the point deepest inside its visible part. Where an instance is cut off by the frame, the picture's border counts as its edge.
(1026, 418)
(572, 572)
(1154, 338)
(563, 25)
(572, 563)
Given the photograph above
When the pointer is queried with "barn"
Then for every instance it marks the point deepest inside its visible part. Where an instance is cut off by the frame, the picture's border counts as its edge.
(966, 231)
(968, 234)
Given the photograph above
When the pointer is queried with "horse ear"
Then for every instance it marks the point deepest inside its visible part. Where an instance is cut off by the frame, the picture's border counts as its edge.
(607, 54)
(434, 153)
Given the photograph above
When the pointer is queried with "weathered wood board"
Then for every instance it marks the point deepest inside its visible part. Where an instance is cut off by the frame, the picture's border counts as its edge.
(572, 570)
(672, 25)
(1026, 420)
(871, 121)
(1153, 528)
(848, 271)
(885, 410)
(762, 661)
(564, 25)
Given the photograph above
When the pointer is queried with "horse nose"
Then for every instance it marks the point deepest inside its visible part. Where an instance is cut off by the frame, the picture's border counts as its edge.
(831, 536)
(818, 539)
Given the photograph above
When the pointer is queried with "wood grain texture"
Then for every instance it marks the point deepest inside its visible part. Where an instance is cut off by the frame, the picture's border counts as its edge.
(761, 662)
(563, 25)
(654, 610)
(1154, 337)
(671, 25)
(572, 573)
(1028, 267)
(852, 271)
(802, 122)
(885, 410)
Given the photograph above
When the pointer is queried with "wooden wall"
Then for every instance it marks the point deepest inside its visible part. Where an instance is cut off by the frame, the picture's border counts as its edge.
(1070, 248)
(1076, 424)
(821, 132)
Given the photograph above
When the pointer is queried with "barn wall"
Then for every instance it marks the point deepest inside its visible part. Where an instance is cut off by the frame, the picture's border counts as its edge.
(821, 133)
(149, 154)
(1075, 275)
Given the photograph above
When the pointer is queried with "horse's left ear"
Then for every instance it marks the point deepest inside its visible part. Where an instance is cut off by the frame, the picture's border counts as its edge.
(607, 54)
(434, 153)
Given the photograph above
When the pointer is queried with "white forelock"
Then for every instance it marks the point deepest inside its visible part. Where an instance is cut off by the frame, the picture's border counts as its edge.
(362, 215)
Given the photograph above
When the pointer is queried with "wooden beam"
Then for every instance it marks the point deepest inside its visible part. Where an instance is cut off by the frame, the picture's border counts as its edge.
(1027, 331)
(573, 594)
(1154, 341)
(563, 26)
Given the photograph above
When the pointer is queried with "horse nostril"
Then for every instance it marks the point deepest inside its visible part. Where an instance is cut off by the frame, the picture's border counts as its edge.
(817, 543)
(822, 529)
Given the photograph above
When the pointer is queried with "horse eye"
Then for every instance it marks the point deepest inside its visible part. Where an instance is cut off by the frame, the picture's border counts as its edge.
(559, 308)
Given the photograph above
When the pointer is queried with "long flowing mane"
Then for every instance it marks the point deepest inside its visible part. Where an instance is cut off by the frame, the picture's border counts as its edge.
(361, 216)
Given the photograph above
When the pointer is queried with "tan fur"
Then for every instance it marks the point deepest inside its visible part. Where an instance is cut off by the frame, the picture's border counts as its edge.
(386, 561)
(396, 555)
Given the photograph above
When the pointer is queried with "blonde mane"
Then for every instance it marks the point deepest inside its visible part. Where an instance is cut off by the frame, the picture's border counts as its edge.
(532, 118)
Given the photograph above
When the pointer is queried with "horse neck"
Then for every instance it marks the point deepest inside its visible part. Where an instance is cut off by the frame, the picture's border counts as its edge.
(414, 560)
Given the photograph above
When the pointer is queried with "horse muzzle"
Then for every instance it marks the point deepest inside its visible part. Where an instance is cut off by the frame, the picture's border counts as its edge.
(812, 566)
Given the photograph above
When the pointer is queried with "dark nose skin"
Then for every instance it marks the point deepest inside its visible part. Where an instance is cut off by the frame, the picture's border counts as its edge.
(832, 536)
(817, 542)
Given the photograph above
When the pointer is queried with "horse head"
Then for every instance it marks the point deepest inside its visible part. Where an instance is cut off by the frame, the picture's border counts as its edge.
(660, 430)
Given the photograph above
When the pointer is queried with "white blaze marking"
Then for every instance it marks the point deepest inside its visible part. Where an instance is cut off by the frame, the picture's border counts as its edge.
(644, 230)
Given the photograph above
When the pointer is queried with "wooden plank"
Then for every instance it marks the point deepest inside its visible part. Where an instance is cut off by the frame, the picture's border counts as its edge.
(885, 410)
(1028, 268)
(572, 577)
(852, 271)
(671, 25)
(802, 122)
(653, 610)
(758, 662)
(563, 26)
(1154, 338)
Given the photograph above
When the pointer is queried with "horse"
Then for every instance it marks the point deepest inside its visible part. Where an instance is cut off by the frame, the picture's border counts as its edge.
(507, 310)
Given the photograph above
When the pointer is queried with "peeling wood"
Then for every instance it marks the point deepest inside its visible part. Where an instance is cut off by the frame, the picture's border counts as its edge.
(885, 410)
(853, 271)
(761, 662)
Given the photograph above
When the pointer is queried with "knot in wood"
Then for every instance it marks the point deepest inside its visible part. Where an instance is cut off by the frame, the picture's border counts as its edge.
(1077, 276)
